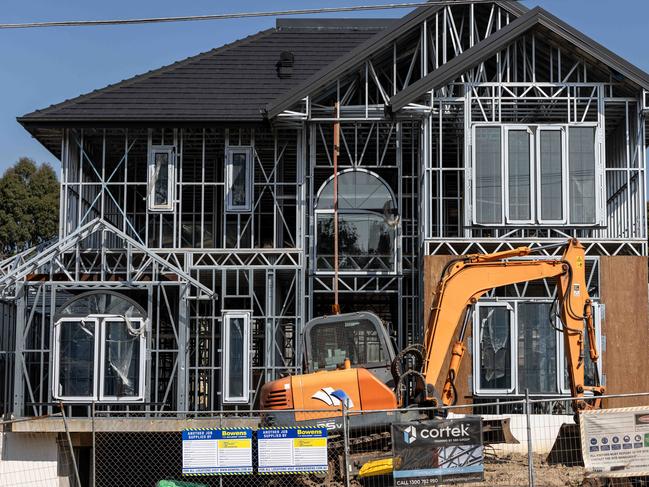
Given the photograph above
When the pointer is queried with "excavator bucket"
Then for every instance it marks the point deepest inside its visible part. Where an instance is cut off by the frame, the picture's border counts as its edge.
(496, 431)
(567, 447)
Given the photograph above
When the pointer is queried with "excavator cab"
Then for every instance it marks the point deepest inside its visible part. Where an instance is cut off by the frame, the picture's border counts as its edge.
(360, 337)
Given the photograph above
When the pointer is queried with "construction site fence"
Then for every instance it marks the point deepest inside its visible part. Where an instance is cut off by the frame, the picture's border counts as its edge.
(117, 447)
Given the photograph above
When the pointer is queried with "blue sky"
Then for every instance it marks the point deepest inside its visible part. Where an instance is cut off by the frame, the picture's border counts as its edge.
(40, 67)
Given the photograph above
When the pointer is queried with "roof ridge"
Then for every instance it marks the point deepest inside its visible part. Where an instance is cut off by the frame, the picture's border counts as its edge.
(149, 74)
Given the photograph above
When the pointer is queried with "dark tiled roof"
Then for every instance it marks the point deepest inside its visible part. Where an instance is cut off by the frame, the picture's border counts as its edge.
(233, 82)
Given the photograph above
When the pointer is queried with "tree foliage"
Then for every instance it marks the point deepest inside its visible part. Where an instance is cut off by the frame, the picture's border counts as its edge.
(29, 206)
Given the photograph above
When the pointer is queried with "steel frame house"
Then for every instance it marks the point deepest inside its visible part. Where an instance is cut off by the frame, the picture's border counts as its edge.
(198, 193)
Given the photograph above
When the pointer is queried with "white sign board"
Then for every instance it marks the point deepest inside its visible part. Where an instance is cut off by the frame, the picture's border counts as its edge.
(616, 441)
(292, 450)
(217, 451)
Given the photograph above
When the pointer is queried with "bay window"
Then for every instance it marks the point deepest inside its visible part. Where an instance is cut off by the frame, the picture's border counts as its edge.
(537, 174)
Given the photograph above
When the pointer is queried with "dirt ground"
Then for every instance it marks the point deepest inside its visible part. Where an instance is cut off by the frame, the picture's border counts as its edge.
(512, 470)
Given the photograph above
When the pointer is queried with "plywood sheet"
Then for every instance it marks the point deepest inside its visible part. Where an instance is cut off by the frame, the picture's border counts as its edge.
(624, 291)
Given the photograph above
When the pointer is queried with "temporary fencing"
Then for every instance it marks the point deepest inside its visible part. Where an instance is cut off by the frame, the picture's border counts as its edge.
(118, 447)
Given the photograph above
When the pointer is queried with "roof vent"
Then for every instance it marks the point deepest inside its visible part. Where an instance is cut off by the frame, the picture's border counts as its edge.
(285, 64)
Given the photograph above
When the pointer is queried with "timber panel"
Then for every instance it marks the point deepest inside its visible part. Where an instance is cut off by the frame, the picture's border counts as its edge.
(626, 327)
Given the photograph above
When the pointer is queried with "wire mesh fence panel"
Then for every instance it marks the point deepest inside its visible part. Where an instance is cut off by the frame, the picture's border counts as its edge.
(519, 442)
(155, 458)
(557, 443)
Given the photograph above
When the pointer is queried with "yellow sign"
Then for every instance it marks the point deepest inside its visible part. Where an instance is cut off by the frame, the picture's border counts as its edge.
(235, 444)
(309, 442)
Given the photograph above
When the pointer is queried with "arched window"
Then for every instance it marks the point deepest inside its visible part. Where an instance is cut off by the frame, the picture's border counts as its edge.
(99, 349)
(367, 224)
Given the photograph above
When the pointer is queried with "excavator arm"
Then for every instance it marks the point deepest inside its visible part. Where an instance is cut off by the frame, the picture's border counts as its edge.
(466, 279)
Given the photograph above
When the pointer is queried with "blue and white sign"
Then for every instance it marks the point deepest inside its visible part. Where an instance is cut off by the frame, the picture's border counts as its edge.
(217, 451)
(292, 450)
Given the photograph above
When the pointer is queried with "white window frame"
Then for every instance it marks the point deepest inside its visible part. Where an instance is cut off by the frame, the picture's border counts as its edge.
(170, 150)
(56, 366)
(506, 130)
(99, 355)
(225, 355)
(476, 348)
(317, 212)
(474, 216)
(564, 173)
(563, 388)
(137, 323)
(229, 159)
(535, 175)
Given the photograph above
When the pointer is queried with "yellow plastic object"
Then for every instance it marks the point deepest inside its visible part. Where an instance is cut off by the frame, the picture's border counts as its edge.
(374, 468)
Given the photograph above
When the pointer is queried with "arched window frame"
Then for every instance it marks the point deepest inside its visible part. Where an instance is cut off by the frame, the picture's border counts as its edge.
(342, 211)
(99, 322)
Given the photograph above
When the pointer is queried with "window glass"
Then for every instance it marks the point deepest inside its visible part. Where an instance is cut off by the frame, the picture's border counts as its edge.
(367, 224)
(495, 347)
(357, 190)
(357, 340)
(582, 174)
(239, 184)
(519, 175)
(551, 175)
(161, 178)
(121, 359)
(76, 358)
(488, 177)
(236, 348)
(537, 349)
(365, 241)
(236, 360)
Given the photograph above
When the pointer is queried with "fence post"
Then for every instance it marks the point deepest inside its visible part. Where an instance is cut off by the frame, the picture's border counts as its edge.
(67, 433)
(346, 442)
(530, 449)
(94, 448)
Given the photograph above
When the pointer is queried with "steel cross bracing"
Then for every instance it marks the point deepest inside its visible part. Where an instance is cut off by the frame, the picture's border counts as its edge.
(51, 260)
(364, 92)
(534, 82)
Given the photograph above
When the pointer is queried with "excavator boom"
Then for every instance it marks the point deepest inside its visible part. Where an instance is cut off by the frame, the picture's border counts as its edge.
(465, 280)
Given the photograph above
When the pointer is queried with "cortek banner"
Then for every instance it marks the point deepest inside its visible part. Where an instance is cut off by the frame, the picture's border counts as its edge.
(616, 441)
(437, 451)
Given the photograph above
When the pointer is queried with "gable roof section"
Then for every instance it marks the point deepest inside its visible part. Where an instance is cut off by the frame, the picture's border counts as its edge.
(496, 42)
(232, 82)
(329, 74)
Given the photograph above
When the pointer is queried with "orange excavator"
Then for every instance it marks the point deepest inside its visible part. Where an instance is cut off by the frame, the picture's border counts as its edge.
(349, 359)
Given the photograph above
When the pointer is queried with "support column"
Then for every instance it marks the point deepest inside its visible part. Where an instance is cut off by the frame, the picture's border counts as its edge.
(183, 340)
(19, 360)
